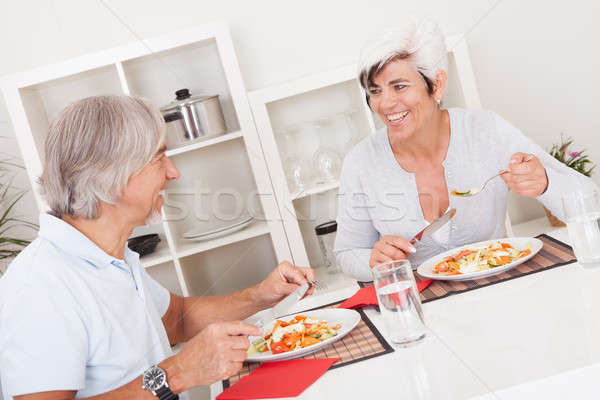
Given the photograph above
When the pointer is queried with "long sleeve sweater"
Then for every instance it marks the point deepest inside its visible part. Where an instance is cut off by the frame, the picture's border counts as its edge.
(378, 197)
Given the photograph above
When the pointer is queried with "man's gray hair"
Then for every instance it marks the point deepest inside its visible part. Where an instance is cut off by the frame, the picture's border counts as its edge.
(93, 147)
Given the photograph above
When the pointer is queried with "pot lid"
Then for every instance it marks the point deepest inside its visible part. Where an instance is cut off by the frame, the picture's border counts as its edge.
(183, 98)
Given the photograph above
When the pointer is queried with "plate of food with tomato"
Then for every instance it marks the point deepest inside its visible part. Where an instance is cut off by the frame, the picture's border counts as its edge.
(301, 334)
(480, 260)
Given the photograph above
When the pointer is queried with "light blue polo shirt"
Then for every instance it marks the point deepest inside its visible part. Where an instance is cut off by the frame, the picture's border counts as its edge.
(74, 318)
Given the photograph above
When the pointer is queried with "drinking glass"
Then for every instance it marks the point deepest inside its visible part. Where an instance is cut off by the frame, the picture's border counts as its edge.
(582, 212)
(297, 169)
(399, 301)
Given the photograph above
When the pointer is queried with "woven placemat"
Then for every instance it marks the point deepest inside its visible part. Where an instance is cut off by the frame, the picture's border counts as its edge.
(553, 254)
(362, 343)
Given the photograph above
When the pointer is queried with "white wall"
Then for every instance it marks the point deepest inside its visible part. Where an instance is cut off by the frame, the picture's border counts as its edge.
(533, 60)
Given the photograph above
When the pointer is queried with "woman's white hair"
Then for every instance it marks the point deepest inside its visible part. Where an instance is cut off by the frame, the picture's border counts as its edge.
(92, 149)
(418, 40)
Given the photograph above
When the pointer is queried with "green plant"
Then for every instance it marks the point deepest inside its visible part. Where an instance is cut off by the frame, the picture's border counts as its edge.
(10, 245)
(577, 160)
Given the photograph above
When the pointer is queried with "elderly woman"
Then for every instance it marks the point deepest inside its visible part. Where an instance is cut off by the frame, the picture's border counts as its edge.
(79, 314)
(397, 181)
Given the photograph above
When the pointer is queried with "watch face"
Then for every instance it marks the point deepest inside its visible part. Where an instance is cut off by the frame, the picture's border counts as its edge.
(154, 378)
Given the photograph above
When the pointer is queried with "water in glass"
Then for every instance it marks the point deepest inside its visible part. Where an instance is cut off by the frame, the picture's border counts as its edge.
(582, 212)
(399, 302)
(584, 232)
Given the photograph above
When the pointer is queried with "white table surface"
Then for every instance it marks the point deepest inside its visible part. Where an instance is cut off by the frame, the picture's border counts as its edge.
(537, 336)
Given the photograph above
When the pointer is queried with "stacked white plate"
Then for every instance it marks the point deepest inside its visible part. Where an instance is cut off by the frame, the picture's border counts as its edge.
(201, 234)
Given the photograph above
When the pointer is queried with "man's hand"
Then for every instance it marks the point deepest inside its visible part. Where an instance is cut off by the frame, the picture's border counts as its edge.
(527, 178)
(215, 353)
(282, 281)
(390, 248)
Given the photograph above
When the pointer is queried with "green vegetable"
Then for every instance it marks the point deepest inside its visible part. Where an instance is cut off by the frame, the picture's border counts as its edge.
(492, 262)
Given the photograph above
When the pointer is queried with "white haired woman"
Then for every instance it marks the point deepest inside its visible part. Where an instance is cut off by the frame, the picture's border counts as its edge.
(397, 181)
(80, 316)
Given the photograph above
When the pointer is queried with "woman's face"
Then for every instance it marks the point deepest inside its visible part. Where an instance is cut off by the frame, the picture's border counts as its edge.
(401, 100)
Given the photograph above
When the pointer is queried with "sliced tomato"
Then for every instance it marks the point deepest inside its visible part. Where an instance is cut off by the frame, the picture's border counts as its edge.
(525, 253)
(279, 347)
(454, 265)
(463, 253)
(291, 339)
(309, 341)
(300, 318)
(506, 245)
(279, 323)
(505, 259)
(441, 267)
(336, 327)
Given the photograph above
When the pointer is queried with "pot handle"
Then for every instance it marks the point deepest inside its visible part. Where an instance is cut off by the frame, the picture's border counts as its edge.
(174, 116)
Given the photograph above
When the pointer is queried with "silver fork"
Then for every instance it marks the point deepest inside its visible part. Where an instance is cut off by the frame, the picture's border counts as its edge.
(317, 285)
(475, 191)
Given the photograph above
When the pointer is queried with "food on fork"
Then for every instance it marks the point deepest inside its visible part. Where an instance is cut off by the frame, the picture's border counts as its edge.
(479, 258)
(296, 334)
(464, 193)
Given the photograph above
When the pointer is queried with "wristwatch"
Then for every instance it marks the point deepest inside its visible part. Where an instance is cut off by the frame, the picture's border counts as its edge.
(155, 380)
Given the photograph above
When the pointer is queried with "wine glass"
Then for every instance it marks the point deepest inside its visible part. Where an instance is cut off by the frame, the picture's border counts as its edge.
(326, 161)
(297, 169)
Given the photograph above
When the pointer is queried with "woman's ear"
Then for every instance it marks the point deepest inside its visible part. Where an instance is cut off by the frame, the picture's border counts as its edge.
(439, 85)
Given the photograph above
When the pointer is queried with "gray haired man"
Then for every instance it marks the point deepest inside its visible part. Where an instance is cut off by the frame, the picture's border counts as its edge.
(79, 315)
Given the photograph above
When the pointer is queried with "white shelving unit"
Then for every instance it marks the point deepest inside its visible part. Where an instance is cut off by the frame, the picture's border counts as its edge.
(320, 95)
(202, 59)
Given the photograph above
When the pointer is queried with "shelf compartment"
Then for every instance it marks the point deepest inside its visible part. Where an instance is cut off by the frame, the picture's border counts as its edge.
(310, 212)
(44, 101)
(229, 268)
(216, 185)
(200, 143)
(324, 105)
(161, 255)
(187, 247)
(196, 66)
(317, 189)
(164, 273)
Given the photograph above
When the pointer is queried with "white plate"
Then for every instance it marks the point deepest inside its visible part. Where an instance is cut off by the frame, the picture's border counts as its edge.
(348, 319)
(521, 243)
(198, 235)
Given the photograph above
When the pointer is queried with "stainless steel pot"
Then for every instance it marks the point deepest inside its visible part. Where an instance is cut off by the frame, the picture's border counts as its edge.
(194, 117)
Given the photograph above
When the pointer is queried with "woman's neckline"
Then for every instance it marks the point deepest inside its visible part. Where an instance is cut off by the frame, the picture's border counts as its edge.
(449, 149)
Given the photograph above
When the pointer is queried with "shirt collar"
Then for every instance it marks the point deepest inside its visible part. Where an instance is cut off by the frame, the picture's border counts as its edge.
(71, 241)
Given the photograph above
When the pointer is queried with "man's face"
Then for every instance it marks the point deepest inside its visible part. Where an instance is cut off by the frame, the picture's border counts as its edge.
(141, 197)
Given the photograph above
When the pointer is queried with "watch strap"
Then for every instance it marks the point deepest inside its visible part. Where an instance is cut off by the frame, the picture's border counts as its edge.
(165, 393)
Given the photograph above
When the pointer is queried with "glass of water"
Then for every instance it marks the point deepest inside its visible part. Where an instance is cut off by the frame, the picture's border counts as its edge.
(399, 301)
(582, 212)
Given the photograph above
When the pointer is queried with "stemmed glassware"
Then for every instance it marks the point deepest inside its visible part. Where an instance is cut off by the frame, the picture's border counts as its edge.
(297, 169)
(313, 151)
(326, 160)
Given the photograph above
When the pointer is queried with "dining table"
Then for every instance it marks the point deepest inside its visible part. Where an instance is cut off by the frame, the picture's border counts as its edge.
(537, 336)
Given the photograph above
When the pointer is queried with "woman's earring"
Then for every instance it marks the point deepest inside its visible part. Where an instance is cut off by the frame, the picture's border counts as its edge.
(439, 101)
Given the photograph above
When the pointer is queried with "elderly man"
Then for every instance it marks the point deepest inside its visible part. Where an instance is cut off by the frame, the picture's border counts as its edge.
(79, 316)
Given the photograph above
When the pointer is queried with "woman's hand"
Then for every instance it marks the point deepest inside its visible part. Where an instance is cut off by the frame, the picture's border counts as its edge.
(527, 178)
(390, 248)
